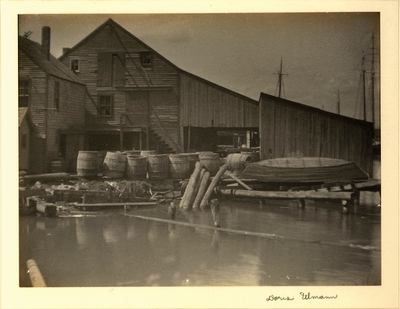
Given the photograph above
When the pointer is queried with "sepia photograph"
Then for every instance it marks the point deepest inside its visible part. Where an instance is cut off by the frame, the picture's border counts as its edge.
(202, 150)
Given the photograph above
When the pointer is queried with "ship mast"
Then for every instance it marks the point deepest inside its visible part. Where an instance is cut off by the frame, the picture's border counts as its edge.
(280, 80)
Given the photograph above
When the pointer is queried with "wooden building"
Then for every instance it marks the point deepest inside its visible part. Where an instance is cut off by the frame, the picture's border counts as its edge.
(138, 99)
(289, 129)
(53, 99)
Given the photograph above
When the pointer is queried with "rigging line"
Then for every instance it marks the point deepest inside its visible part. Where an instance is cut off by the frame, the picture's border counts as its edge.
(127, 70)
(140, 69)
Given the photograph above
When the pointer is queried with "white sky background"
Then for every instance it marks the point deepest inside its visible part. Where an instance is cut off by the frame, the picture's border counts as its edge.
(321, 53)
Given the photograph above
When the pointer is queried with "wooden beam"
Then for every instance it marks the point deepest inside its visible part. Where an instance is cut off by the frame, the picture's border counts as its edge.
(288, 194)
(238, 181)
(116, 204)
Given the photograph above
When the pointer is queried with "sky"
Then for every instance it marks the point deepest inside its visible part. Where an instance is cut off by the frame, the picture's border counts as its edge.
(321, 52)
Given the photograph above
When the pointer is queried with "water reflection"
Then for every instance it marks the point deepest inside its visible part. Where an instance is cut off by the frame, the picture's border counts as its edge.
(117, 250)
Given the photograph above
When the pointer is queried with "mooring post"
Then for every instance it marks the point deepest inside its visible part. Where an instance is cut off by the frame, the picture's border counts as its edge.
(172, 210)
(215, 211)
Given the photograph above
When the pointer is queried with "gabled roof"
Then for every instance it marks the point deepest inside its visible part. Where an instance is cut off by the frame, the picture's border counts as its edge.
(111, 22)
(52, 66)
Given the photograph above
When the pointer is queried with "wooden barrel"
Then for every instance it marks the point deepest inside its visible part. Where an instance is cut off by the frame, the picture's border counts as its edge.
(114, 164)
(238, 161)
(179, 166)
(147, 153)
(87, 164)
(193, 158)
(255, 155)
(158, 166)
(211, 161)
(137, 167)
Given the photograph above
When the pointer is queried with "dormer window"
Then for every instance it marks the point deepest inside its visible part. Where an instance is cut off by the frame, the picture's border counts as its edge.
(146, 60)
(74, 65)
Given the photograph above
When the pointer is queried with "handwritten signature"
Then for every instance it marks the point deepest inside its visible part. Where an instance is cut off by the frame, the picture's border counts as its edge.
(303, 296)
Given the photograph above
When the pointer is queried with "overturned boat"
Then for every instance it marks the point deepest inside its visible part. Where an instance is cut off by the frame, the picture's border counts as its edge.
(304, 170)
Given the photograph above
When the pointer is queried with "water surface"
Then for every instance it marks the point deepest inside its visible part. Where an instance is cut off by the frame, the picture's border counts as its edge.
(317, 245)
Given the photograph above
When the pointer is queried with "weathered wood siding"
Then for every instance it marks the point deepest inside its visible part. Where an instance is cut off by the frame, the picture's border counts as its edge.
(160, 81)
(27, 69)
(289, 129)
(46, 120)
(70, 114)
(204, 104)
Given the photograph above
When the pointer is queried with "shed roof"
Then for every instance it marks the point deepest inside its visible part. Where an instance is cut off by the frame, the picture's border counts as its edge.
(52, 66)
(264, 96)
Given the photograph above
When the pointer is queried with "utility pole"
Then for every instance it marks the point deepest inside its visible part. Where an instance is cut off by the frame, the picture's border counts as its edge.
(280, 80)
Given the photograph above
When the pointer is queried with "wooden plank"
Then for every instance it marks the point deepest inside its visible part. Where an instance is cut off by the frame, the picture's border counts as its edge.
(116, 204)
(288, 194)
(369, 183)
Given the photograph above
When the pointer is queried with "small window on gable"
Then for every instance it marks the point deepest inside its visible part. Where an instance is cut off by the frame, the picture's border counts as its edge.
(74, 65)
(105, 105)
(146, 60)
(23, 93)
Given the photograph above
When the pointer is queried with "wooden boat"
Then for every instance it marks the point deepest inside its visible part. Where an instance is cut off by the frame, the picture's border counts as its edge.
(304, 170)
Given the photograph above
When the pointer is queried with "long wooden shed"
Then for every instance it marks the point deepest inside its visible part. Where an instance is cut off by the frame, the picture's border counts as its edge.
(290, 129)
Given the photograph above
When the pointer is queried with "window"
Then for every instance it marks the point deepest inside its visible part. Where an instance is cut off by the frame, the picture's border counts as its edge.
(23, 93)
(57, 95)
(74, 65)
(146, 60)
(105, 105)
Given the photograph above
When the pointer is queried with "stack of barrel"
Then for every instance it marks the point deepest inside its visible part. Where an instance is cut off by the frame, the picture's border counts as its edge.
(135, 164)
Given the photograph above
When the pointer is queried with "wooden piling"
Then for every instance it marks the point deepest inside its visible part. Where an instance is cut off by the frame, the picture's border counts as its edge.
(202, 189)
(217, 177)
(172, 210)
(215, 211)
(197, 187)
(35, 275)
(188, 196)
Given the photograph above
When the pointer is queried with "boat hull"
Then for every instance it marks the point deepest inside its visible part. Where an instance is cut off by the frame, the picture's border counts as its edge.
(304, 170)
